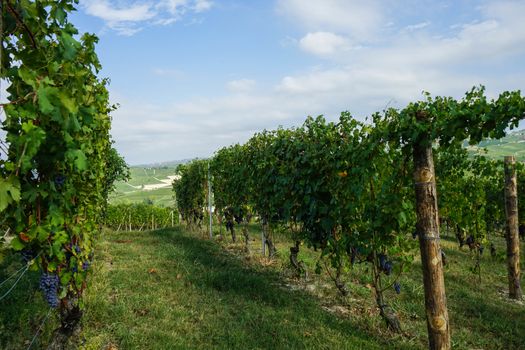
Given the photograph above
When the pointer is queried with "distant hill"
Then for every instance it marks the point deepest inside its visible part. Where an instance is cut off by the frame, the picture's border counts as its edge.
(169, 164)
(512, 144)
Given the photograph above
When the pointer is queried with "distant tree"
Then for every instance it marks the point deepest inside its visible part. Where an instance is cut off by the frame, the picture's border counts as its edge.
(117, 170)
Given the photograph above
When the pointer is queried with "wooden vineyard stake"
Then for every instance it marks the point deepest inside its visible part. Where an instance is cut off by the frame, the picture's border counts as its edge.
(428, 231)
(513, 243)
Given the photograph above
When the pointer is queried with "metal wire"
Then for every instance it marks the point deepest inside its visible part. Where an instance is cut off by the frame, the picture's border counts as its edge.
(40, 328)
(13, 275)
(16, 282)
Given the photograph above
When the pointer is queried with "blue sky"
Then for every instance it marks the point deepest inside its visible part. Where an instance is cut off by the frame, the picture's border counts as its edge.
(192, 76)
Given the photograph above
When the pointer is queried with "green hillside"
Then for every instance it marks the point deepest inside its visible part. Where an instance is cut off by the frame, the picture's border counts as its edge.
(146, 184)
(512, 144)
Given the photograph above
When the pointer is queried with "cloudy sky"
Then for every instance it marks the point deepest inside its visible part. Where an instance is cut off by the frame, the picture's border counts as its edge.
(192, 76)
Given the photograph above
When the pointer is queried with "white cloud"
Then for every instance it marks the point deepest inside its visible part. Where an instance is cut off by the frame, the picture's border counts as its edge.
(104, 10)
(129, 17)
(409, 60)
(360, 20)
(323, 43)
(241, 85)
(417, 26)
(202, 5)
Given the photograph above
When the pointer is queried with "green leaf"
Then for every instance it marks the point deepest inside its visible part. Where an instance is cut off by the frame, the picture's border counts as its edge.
(44, 103)
(27, 76)
(60, 14)
(70, 46)
(9, 192)
(79, 159)
(17, 244)
(68, 102)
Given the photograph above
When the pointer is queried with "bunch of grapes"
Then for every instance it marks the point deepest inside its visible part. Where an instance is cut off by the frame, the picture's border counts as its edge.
(385, 264)
(49, 285)
(397, 287)
(27, 255)
(60, 180)
(238, 218)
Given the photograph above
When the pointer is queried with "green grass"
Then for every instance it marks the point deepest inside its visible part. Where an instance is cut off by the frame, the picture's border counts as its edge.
(166, 290)
(170, 289)
(161, 197)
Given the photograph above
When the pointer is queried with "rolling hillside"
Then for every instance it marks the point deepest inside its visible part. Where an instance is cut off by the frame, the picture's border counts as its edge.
(513, 144)
(146, 184)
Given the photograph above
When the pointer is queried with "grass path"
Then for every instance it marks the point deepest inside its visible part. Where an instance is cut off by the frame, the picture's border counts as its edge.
(167, 290)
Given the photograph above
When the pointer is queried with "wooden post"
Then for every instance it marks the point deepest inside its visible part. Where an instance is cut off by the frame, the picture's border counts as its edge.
(263, 234)
(209, 202)
(428, 231)
(172, 219)
(129, 220)
(513, 242)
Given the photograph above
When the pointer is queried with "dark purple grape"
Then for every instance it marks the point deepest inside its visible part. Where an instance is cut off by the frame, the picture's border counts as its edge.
(85, 265)
(238, 218)
(27, 255)
(49, 283)
(470, 240)
(77, 249)
(60, 180)
(397, 287)
(382, 261)
(388, 268)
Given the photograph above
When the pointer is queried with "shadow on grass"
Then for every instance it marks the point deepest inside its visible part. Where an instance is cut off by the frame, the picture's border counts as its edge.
(266, 313)
(483, 310)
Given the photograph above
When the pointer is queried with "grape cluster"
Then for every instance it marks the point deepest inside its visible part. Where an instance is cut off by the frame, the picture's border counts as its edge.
(60, 180)
(27, 255)
(238, 218)
(397, 287)
(49, 286)
(385, 264)
(85, 265)
(470, 242)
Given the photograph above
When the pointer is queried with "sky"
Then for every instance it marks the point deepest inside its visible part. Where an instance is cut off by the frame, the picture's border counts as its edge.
(192, 76)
